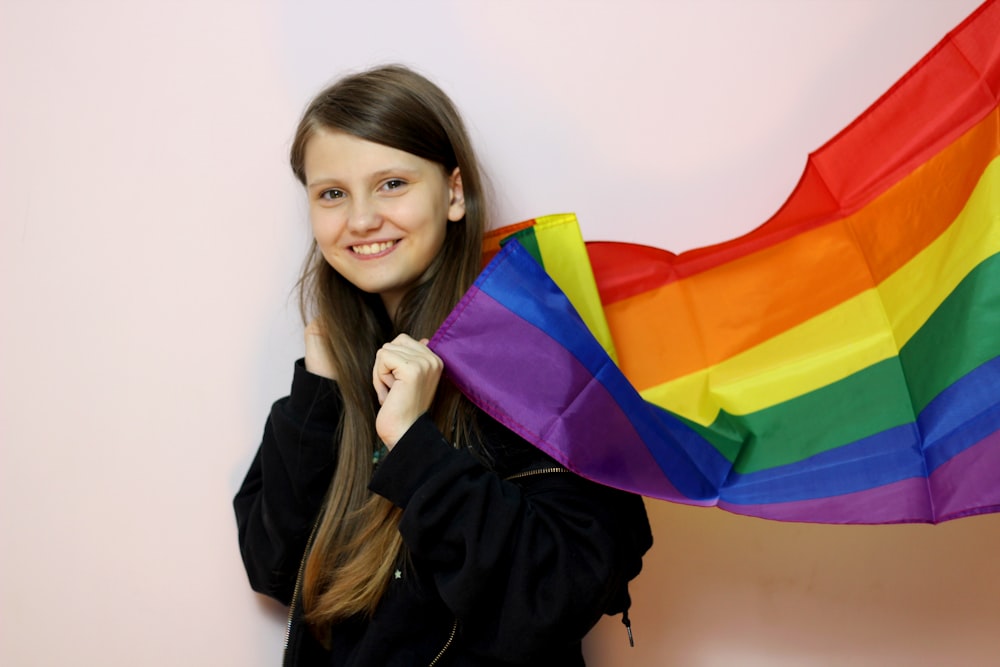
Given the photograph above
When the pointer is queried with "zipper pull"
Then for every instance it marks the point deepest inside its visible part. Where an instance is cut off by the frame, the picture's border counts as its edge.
(628, 628)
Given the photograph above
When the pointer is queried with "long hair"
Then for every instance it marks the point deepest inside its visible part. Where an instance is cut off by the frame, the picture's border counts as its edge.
(357, 544)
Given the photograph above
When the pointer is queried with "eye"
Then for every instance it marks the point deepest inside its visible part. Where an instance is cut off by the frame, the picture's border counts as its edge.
(331, 194)
(393, 184)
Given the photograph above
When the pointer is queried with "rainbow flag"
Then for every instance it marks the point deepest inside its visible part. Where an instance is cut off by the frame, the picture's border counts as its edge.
(840, 363)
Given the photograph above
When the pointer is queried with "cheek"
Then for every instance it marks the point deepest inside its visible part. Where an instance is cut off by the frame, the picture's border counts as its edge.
(326, 227)
(442, 232)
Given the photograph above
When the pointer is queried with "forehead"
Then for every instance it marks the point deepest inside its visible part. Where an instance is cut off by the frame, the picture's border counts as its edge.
(330, 153)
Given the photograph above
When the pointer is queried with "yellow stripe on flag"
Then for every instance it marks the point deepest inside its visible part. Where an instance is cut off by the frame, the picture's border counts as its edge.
(564, 256)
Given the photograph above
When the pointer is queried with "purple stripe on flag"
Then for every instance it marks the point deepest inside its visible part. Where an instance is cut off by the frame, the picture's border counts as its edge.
(899, 502)
(566, 404)
(963, 486)
(967, 484)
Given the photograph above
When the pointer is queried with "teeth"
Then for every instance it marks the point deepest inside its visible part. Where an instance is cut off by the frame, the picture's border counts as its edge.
(372, 248)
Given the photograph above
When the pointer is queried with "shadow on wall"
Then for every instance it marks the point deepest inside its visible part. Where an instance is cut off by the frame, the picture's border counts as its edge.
(720, 589)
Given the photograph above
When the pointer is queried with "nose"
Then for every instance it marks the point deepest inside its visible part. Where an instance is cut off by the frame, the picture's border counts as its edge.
(364, 216)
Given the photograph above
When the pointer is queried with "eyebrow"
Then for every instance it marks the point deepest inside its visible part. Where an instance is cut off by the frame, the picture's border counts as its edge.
(376, 176)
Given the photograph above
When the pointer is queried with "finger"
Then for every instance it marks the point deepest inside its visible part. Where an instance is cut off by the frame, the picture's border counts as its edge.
(397, 358)
(381, 390)
(404, 360)
(382, 378)
(405, 341)
(412, 350)
(317, 354)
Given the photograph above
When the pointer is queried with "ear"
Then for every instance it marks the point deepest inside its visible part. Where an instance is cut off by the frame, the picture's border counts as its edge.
(456, 205)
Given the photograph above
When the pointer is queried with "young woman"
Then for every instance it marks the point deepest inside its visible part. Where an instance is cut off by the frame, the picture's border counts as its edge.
(400, 524)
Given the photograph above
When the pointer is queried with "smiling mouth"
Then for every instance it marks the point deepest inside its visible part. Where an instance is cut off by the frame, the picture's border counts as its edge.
(372, 248)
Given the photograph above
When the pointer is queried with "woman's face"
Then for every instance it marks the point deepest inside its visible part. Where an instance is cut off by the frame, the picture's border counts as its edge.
(379, 215)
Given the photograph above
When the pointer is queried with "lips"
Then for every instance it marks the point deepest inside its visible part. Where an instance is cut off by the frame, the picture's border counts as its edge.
(368, 249)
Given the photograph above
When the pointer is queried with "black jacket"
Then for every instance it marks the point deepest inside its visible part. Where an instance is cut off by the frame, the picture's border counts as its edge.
(502, 571)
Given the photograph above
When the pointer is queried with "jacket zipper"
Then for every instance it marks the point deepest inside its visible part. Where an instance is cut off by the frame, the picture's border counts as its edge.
(447, 644)
(297, 590)
(454, 625)
(539, 471)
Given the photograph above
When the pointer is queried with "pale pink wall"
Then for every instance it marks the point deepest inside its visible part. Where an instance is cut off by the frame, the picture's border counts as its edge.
(151, 234)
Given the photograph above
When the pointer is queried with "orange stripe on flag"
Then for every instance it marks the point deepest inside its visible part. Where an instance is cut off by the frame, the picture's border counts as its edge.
(746, 301)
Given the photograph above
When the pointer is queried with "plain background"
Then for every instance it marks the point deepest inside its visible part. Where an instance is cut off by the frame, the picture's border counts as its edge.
(151, 235)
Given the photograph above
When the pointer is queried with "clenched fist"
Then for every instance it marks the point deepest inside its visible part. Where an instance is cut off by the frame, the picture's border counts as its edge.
(406, 375)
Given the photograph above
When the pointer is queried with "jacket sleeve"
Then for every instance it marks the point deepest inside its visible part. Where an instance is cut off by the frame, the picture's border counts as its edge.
(287, 481)
(527, 566)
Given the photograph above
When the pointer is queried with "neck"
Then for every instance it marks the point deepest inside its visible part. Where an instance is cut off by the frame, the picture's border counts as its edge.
(391, 301)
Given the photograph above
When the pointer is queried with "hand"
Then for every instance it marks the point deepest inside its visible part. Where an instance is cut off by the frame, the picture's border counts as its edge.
(406, 376)
(318, 361)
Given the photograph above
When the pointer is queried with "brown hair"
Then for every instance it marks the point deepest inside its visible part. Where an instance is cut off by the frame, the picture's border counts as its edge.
(357, 544)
